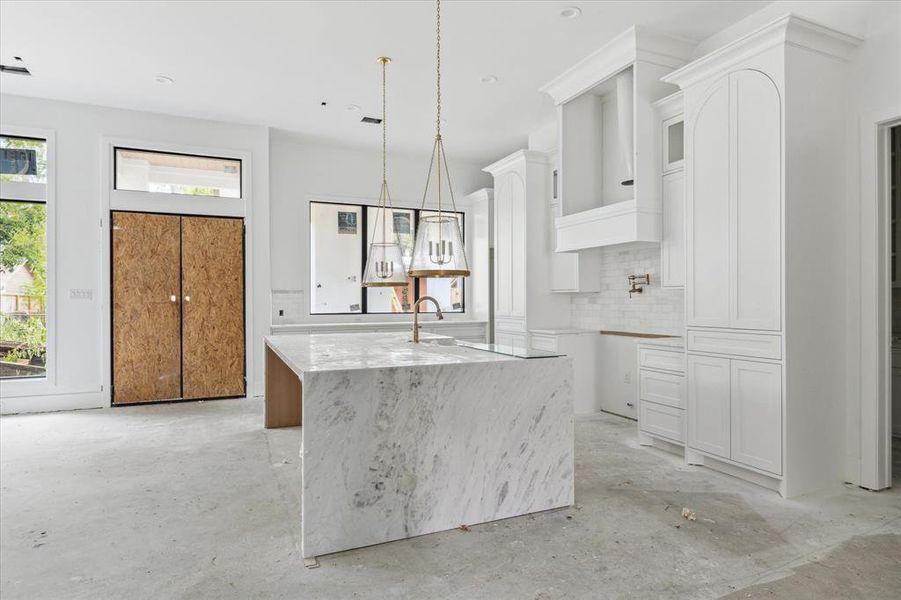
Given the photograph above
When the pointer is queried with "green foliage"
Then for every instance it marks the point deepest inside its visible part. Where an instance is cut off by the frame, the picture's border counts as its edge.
(195, 190)
(29, 334)
(23, 241)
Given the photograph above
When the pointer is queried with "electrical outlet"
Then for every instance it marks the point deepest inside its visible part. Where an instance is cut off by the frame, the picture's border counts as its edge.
(627, 378)
(281, 312)
(81, 294)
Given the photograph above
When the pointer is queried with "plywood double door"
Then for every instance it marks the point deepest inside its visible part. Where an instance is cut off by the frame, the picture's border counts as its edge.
(177, 307)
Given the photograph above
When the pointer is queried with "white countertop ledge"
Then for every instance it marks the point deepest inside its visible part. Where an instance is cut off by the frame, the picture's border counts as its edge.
(304, 353)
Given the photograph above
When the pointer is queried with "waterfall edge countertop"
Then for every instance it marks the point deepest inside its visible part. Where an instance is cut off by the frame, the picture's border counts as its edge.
(305, 353)
(403, 439)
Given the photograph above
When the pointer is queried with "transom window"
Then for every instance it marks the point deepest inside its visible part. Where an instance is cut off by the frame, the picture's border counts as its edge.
(171, 173)
(339, 239)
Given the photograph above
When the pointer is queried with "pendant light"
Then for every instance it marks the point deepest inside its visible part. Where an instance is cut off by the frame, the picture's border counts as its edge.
(439, 251)
(384, 262)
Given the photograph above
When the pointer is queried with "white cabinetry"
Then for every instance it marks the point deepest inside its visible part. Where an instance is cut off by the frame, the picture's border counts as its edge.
(755, 393)
(661, 392)
(582, 346)
(523, 249)
(609, 174)
(735, 410)
(672, 173)
(764, 208)
(708, 405)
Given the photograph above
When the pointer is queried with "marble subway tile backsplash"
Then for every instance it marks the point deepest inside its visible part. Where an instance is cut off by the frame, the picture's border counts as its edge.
(655, 310)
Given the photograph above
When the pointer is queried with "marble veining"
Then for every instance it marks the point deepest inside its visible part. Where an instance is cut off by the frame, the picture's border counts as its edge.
(434, 438)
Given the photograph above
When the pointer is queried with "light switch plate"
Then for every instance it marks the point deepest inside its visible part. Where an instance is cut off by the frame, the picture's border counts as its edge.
(81, 294)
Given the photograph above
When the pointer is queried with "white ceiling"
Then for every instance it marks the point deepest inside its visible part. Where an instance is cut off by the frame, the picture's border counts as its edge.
(272, 63)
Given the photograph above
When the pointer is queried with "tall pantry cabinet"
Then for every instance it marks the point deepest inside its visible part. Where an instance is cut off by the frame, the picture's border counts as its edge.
(523, 249)
(764, 126)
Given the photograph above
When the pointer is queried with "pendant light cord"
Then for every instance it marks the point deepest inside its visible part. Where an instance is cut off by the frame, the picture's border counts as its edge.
(384, 151)
(384, 62)
(438, 65)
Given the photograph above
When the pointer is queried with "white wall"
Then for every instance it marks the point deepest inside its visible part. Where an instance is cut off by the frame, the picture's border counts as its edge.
(302, 170)
(78, 130)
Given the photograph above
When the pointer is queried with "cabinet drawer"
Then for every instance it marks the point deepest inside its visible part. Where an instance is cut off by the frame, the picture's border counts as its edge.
(736, 343)
(662, 388)
(510, 324)
(661, 420)
(667, 360)
(548, 343)
(515, 340)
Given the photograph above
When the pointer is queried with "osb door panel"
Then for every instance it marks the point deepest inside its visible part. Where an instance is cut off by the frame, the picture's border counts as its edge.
(212, 307)
(146, 315)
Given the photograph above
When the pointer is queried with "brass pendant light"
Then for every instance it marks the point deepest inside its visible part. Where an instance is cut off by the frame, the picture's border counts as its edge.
(384, 262)
(439, 250)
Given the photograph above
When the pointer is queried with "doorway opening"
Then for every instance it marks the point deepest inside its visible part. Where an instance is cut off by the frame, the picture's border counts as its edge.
(177, 289)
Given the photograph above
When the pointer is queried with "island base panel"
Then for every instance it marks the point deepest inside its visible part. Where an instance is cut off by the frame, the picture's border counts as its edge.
(284, 394)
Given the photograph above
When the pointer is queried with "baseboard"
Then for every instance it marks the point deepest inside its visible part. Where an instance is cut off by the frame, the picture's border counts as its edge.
(51, 403)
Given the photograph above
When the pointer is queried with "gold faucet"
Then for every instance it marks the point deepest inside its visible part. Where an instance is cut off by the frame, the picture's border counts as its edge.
(438, 313)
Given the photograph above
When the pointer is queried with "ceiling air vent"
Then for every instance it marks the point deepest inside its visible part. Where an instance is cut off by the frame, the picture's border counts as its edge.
(14, 70)
(371, 120)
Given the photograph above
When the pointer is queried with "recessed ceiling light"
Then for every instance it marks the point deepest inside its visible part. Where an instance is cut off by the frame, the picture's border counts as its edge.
(163, 79)
(571, 12)
(489, 79)
(352, 107)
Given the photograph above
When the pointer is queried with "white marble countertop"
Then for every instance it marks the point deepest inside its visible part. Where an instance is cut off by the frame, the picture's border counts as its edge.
(305, 353)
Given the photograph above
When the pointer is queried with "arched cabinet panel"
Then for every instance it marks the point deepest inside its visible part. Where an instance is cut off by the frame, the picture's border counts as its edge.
(756, 202)
(734, 208)
(707, 212)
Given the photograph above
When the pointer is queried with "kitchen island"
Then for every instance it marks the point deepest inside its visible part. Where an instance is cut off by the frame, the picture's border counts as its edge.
(403, 439)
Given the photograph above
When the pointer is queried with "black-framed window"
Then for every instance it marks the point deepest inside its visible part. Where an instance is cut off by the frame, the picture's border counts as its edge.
(140, 170)
(23, 257)
(339, 239)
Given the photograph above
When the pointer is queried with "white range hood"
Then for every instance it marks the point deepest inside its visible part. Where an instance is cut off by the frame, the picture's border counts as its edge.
(618, 223)
(609, 184)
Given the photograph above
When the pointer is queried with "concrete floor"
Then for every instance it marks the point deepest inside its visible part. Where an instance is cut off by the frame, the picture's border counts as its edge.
(198, 501)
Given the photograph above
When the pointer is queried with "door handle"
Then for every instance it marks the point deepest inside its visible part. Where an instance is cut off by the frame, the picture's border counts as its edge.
(187, 298)
(173, 298)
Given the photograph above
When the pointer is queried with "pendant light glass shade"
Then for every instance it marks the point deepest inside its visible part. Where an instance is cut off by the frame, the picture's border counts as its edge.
(385, 265)
(385, 262)
(439, 249)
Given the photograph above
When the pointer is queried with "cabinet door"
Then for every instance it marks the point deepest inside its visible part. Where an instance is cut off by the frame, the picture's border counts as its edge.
(673, 145)
(518, 244)
(672, 249)
(756, 202)
(707, 211)
(708, 404)
(756, 392)
(146, 299)
(212, 260)
(503, 267)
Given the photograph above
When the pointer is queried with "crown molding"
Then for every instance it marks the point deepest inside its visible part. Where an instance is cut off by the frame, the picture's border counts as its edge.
(789, 29)
(532, 156)
(635, 44)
